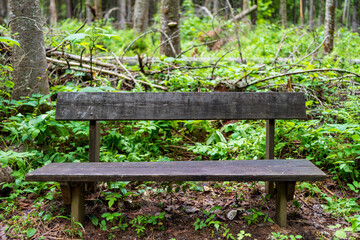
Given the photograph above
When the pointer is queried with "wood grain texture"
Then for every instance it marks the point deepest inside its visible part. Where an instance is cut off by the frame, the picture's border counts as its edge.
(179, 106)
(241, 170)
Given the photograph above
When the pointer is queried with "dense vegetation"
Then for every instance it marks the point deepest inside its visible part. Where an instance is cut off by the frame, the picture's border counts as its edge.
(330, 137)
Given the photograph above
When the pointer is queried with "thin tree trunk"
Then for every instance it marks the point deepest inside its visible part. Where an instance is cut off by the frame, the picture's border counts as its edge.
(98, 9)
(29, 61)
(344, 18)
(68, 9)
(129, 11)
(3, 11)
(321, 13)
(170, 26)
(329, 26)
(355, 24)
(152, 11)
(207, 4)
(88, 12)
(244, 8)
(312, 14)
(215, 7)
(283, 12)
(253, 15)
(53, 13)
(121, 13)
(141, 16)
(301, 13)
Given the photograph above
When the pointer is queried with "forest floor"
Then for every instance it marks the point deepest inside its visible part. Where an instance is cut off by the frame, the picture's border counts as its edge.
(181, 210)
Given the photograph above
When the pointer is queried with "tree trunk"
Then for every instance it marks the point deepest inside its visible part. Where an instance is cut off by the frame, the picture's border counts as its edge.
(207, 4)
(321, 13)
(301, 13)
(88, 12)
(98, 9)
(3, 10)
(121, 14)
(215, 7)
(355, 24)
(329, 26)
(283, 13)
(253, 15)
(312, 14)
(170, 25)
(141, 16)
(152, 11)
(29, 61)
(53, 13)
(68, 9)
(244, 8)
(344, 18)
(129, 11)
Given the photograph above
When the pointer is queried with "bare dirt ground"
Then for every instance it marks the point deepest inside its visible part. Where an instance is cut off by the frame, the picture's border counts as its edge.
(305, 215)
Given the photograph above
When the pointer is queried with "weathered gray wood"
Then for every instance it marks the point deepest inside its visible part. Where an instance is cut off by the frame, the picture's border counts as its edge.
(94, 141)
(77, 202)
(270, 151)
(66, 192)
(290, 190)
(281, 203)
(249, 170)
(176, 105)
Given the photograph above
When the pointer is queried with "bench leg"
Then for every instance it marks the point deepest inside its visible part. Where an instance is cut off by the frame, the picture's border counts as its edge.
(77, 202)
(281, 195)
(270, 188)
(66, 192)
(290, 190)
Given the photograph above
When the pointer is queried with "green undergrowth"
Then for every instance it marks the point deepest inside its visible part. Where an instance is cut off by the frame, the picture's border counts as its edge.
(330, 137)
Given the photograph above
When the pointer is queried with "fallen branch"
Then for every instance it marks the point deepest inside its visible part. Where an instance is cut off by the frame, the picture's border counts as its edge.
(88, 67)
(80, 59)
(300, 72)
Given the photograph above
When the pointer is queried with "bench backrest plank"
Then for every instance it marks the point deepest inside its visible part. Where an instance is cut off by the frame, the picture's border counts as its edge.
(179, 106)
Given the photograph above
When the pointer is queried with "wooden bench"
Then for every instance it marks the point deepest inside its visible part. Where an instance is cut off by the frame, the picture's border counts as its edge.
(95, 107)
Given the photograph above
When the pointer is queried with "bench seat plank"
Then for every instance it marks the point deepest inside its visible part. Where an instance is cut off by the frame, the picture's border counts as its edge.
(241, 170)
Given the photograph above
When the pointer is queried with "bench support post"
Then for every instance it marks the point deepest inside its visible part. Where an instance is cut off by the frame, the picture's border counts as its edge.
(77, 202)
(270, 151)
(94, 148)
(281, 194)
(66, 192)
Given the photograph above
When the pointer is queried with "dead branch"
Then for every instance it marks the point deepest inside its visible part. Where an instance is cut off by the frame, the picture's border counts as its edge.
(80, 59)
(295, 73)
(89, 67)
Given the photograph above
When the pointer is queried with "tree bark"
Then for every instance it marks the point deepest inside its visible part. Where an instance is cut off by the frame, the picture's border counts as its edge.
(253, 15)
(355, 24)
(29, 61)
(344, 16)
(321, 13)
(312, 14)
(68, 9)
(302, 13)
(283, 13)
(170, 25)
(329, 26)
(98, 9)
(88, 12)
(215, 7)
(3, 10)
(141, 16)
(121, 13)
(129, 11)
(53, 13)
(244, 8)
